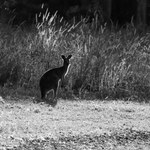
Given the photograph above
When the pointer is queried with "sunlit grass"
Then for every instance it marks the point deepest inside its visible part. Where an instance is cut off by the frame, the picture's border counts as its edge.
(22, 121)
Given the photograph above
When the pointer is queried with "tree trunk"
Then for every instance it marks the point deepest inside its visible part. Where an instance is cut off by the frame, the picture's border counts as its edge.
(141, 12)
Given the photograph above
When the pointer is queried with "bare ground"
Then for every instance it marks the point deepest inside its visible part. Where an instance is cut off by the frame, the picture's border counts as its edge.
(74, 125)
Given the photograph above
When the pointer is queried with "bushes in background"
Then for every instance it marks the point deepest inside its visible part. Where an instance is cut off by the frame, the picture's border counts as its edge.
(107, 63)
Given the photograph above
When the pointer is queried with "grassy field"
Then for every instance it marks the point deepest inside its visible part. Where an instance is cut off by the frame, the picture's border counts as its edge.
(108, 63)
(74, 125)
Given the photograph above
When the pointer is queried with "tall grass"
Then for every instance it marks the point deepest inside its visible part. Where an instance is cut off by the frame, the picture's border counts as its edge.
(107, 63)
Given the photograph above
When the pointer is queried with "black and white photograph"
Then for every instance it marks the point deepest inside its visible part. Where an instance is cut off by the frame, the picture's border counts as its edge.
(74, 74)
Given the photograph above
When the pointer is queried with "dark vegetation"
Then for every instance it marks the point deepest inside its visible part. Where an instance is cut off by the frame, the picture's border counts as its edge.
(109, 62)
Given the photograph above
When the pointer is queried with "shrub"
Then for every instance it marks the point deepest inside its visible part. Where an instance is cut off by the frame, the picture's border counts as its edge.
(108, 62)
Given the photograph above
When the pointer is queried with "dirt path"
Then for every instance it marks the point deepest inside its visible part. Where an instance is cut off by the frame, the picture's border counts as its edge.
(20, 121)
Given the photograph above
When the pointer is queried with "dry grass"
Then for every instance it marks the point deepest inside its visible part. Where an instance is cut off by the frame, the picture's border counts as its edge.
(108, 62)
(74, 125)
